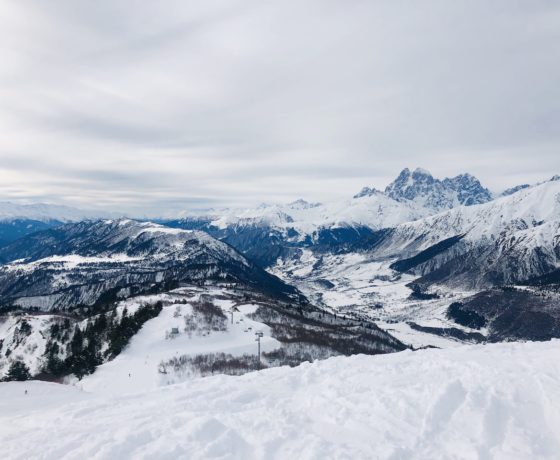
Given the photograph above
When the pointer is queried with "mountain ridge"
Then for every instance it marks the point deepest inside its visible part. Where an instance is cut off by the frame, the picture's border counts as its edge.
(83, 263)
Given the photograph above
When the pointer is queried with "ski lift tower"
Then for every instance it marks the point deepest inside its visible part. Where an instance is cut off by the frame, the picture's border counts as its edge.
(231, 310)
(259, 335)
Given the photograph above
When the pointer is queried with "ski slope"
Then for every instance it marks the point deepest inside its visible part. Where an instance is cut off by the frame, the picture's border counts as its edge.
(136, 368)
(498, 401)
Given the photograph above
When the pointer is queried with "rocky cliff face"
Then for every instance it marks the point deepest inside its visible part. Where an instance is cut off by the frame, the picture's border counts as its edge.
(420, 187)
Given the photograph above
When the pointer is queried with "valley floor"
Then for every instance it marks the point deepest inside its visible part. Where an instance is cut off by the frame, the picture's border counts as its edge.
(498, 401)
(356, 286)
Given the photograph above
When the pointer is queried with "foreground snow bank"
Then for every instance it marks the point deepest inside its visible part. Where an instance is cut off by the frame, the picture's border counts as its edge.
(496, 401)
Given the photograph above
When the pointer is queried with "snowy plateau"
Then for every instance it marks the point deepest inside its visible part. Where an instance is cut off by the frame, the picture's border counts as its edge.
(417, 322)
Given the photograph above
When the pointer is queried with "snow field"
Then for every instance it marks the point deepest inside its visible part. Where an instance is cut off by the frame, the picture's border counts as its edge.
(498, 401)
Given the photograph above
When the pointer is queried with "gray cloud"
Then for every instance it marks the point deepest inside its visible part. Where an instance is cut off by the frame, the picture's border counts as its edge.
(149, 107)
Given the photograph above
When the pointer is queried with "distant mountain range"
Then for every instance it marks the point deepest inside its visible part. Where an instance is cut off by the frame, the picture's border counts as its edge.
(412, 195)
(271, 231)
(448, 237)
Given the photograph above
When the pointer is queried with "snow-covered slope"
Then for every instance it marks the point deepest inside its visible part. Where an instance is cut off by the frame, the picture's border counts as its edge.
(513, 257)
(137, 367)
(522, 210)
(492, 402)
(24, 337)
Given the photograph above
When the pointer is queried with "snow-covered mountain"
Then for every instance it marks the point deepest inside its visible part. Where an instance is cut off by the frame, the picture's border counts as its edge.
(482, 251)
(413, 272)
(421, 188)
(90, 262)
(302, 219)
(268, 232)
(496, 222)
(410, 197)
(271, 231)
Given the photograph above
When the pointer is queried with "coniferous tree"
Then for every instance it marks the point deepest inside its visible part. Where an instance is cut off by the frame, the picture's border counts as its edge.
(18, 372)
(77, 341)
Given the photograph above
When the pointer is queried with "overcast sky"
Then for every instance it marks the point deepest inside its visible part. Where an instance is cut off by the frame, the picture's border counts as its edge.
(151, 107)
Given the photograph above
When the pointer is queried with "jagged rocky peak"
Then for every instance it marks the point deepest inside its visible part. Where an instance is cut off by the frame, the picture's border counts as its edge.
(422, 188)
(367, 191)
(469, 189)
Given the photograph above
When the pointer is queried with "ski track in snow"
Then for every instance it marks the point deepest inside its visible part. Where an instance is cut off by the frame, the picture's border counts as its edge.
(498, 401)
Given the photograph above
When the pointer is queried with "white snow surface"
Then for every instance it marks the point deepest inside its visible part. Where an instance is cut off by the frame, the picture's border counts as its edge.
(67, 261)
(498, 401)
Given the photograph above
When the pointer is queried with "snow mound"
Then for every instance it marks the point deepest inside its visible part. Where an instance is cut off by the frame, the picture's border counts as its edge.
(494, 402)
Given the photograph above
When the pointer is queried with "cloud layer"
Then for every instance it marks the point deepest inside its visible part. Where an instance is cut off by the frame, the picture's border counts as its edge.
(156, 107)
